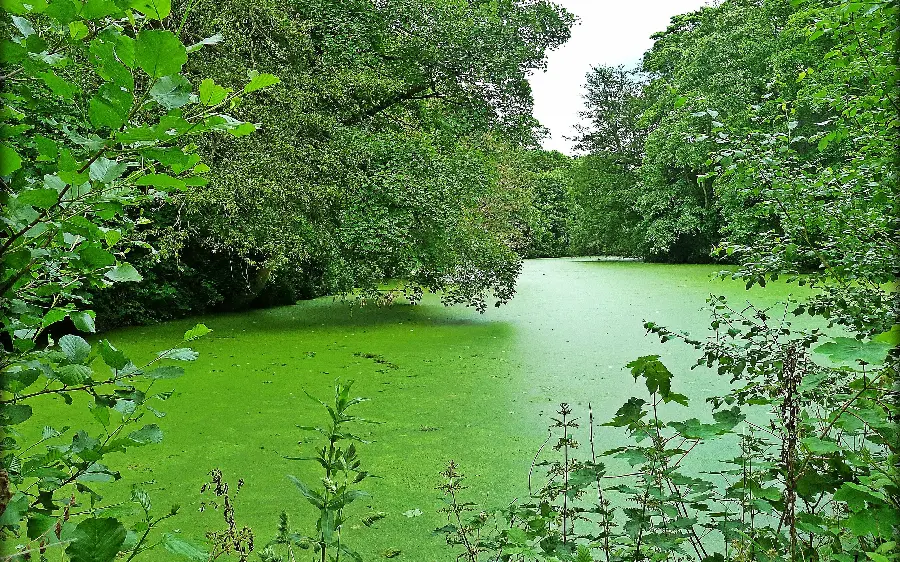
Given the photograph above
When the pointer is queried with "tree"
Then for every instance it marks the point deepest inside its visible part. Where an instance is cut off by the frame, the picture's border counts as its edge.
(374, 157)
(614, 102)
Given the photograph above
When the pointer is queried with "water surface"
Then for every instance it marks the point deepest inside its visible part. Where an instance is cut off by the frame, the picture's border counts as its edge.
(445, 383)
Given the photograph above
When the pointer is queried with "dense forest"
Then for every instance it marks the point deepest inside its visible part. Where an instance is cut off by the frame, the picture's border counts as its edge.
(165, 160)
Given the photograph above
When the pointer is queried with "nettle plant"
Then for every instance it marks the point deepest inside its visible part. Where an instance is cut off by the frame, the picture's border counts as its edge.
(98, 119)
(339, 486)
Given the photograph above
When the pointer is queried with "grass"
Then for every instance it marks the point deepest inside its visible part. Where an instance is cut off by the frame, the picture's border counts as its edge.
(445, 383)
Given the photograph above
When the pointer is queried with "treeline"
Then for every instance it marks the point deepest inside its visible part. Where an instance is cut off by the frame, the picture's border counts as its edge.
(660, 177)
(400, 147)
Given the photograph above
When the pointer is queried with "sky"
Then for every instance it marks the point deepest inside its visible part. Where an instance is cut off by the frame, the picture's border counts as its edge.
(610, 32)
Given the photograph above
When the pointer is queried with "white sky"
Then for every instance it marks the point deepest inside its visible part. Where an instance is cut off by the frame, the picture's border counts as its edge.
(610, 32)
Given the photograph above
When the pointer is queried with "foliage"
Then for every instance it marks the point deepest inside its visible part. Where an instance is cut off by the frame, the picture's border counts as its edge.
(535, 184)
(342, 474)
(98, 120)
(615, 102)
(375, 161)
(604, 221)
(812, 475)
(817, 171)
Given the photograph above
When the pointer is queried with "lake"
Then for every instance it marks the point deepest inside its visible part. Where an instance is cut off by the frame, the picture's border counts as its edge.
(444, 383)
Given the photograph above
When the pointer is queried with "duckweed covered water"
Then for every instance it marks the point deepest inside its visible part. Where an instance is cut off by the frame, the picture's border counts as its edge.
(444, 383)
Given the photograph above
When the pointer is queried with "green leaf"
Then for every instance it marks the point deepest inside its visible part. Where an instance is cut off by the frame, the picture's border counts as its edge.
(146, 435)
(11, 414)
(83, 320)
(107, 64)
(180, 354)
(106, 170)
(260, 81)
(211, 93)
(75, 348)
(166, 372)
(875, 522)
(242, 130)
(96, 540)
(74, 374)
(110, 106)
(100, 413)
(159, 53)
(184, 548)
(42, 198)
(891, 337)
(856, 496)
(96, 257)
(113, 357)
(197, 331)
(165, 182)
(173, 157)
(15, 510)
(171, 92)
(211, 40)
(694, 429)
(153, 9)
(631, 412)
(311, 496)
(47, 148)
(96, 9)
(58, 86)
(10, 161)
(820, 446)
(657, 376)
(853, 351)
(122, 273)
(23, 6)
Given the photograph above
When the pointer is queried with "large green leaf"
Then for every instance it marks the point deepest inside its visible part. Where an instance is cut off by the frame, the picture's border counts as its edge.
(853, 351)
(96, 540)
(42, 198)
(75, 348)
(197, 331)
(15, 510)
(179, 546)
(180, 354)
(58, 86)
(110, 106)
(11, 414)
(83, 320)
(10, 161)
(164, 182)
(211, 93)
(260, 81)
(171, 92)
(159, 53)
(122, 273)
(106, 170)
(113, 357)
(146, 435)
(74, 374)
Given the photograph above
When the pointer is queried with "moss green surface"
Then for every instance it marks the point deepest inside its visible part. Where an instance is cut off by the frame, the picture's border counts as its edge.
(474, 388)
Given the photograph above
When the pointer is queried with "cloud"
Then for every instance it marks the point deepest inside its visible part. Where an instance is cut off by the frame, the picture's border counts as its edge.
(611, 32)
